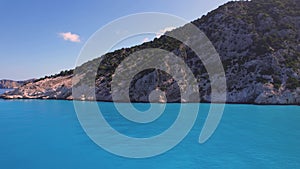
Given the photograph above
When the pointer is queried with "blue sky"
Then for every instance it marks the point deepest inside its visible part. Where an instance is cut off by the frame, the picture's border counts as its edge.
(32, 44)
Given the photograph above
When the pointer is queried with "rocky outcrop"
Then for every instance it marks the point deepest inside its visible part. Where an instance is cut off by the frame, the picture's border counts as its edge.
(258, 42)
(49, 88)
(9, 84)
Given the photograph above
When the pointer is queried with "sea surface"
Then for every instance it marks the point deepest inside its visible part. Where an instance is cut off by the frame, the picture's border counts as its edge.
(46, 134)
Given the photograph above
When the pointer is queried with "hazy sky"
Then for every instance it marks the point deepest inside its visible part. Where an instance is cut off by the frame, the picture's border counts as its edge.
(39, 37)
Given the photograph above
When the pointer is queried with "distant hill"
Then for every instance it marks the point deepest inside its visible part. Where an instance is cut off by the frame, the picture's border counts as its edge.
(258, 42)
(11, 84)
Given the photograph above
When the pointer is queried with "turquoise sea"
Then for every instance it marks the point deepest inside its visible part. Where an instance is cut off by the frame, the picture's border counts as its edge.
(46, 134)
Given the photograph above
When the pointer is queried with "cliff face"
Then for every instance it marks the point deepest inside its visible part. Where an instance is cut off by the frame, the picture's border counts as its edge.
(258, 42)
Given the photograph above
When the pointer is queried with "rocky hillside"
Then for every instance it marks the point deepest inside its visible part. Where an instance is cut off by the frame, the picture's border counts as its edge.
(49, 87)
(258, 42)
(10, 84)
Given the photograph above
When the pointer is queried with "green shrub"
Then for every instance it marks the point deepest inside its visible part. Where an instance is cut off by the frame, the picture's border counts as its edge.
(292, 83)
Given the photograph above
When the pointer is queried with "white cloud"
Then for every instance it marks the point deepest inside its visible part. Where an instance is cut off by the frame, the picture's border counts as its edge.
(146, 40)
(158, 34)
(163, 31)
(68, 36)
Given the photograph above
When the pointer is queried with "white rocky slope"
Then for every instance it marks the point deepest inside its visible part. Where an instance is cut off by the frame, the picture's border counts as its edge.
(48, 88)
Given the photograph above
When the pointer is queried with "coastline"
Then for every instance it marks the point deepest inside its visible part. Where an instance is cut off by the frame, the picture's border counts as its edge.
(142, 102)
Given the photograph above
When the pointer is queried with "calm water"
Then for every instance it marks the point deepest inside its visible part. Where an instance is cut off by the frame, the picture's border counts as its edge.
(37, 134)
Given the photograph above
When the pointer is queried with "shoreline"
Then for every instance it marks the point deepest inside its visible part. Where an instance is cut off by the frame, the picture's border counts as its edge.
(205, 102)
